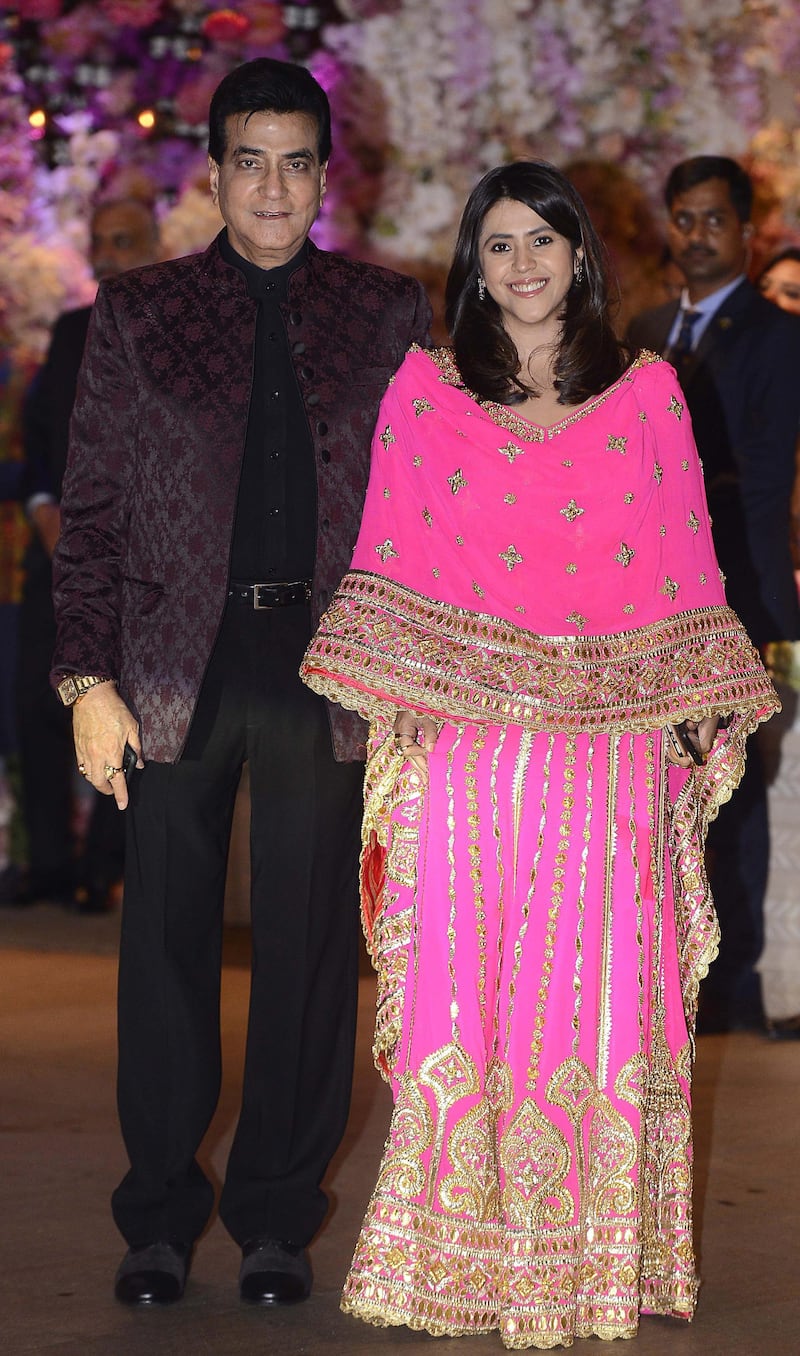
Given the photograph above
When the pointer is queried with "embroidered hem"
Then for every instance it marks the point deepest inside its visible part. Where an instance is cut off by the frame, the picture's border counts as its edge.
(403, 649)
(416, 1269)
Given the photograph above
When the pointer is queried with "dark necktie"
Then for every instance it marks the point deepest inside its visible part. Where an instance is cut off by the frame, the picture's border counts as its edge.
(683, 344)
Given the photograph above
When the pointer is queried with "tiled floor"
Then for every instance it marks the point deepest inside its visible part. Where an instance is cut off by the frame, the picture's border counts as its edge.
(60, 1155)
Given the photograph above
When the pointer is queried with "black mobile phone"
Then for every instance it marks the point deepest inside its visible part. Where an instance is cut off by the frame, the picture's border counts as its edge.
(129, 761)
(687, 743)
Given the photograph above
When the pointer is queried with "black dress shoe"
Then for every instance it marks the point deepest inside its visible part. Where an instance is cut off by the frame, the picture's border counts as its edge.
(784, 1028)
(274, 1273)
(153, 1273)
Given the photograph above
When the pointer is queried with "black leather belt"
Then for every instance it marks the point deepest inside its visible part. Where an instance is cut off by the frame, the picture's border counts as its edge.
(261, 596)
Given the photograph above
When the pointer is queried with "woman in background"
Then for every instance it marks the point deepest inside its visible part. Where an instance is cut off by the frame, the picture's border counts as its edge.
(535, 626)
(779, 280)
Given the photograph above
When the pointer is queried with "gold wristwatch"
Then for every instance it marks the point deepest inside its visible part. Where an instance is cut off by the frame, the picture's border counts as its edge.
(75, 685)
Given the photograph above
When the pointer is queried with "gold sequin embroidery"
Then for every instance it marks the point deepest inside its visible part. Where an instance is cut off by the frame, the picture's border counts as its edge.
(511, 557)
(571, 512)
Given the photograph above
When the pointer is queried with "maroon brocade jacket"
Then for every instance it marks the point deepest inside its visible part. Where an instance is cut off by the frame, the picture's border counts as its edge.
(156, 446)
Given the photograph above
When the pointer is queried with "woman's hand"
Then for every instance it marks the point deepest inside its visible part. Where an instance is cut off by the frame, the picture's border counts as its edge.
(415, 737)
(701, 734)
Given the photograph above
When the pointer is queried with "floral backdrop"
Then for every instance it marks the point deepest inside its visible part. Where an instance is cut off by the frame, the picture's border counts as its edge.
(110, 97)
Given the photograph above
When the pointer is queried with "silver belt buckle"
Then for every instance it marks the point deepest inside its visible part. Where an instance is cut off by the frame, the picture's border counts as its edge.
(259, 606)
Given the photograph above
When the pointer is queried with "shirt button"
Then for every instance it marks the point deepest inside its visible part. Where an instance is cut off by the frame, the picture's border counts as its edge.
(295, 317)
(326, 522)
(307, 372)
(274, 395)
(325, 454)
(272, 336)
(274, 454)
(322, 428)
(312, 399)
(299, 347)
(273, 513)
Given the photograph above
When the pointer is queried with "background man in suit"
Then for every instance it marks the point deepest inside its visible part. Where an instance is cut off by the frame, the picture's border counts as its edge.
(218, 462)
(738, 359)
(123, 235)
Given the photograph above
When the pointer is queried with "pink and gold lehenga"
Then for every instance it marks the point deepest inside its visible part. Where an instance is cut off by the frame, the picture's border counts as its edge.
(538, 916)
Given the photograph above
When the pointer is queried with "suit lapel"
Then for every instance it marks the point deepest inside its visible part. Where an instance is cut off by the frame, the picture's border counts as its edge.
(724, 324)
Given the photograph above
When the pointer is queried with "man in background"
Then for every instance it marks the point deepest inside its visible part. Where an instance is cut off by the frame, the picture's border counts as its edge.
(123, 235)
(738, 361)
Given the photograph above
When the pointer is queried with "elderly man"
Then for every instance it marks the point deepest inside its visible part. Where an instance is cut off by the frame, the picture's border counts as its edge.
(218, 462)
(738, 359)
(123, 235)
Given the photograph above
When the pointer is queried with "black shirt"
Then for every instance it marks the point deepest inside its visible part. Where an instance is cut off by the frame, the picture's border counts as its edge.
(274, 532)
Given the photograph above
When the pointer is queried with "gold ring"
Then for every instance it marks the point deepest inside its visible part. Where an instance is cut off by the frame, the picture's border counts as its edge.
(110, 771)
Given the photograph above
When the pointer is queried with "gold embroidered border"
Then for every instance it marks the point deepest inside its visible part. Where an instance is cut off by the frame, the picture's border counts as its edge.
(383, 645)
(453, 1277)
(506, 417)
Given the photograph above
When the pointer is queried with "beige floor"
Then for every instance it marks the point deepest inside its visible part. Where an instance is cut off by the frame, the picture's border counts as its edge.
(60, 1155)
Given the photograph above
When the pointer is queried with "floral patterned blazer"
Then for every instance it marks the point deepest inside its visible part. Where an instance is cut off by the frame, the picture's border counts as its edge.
(157, 439)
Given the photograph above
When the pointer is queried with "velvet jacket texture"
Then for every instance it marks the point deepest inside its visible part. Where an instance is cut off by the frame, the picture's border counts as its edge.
(742, 386)
(156, 446)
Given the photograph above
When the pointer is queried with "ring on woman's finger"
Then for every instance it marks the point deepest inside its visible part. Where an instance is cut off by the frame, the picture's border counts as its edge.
(110, 771)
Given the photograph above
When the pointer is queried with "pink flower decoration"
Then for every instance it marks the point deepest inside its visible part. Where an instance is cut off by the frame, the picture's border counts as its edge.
(268, 23)
(133, 13)
(39, 10)
(194, 97)
(225, 25)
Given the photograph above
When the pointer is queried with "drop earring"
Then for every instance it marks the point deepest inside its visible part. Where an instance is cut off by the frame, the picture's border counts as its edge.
(579, 271)
(481, 289)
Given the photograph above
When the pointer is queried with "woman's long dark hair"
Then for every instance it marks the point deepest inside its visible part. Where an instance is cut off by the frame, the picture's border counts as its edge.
(589, 357)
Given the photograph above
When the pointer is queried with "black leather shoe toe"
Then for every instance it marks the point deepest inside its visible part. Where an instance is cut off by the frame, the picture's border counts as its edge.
(274, 1273)
(153, 1274)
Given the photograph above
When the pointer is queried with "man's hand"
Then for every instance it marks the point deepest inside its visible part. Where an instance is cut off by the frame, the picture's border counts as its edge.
(101, 726)
(415, 737)
(46, 518)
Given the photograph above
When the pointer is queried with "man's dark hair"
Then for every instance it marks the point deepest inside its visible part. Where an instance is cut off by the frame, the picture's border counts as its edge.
(590, 357)
(700, 168)
(268, 86)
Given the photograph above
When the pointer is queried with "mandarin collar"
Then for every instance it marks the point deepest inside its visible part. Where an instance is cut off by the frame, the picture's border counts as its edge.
(263, 281)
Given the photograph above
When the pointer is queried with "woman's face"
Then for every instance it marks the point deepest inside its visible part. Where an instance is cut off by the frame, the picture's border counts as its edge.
(528, 269)
(781, 284)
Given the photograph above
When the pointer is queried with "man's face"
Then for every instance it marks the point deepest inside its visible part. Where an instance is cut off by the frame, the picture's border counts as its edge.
(270, 185)
(706, 238)
(123, 237)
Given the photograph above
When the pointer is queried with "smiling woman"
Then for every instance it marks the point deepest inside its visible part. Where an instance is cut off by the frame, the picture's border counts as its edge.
(533, 601)
(528, 269)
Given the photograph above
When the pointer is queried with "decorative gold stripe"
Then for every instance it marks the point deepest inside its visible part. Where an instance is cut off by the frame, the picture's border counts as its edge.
(606, 958)
(519, 944)
(581, 903)
(475, 863)
(518, 793)
(501, 885)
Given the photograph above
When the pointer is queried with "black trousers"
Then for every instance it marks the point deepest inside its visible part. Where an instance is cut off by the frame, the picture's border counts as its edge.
(738, 867)
(304, 836)
(47, 765)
